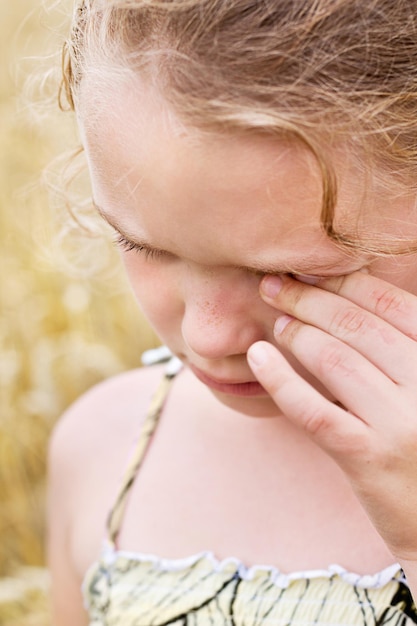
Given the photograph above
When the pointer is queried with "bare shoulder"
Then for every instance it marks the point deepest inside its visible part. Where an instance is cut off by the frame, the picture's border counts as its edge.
(108, 406)
(95, 433)
(88, 451)
(92, 438)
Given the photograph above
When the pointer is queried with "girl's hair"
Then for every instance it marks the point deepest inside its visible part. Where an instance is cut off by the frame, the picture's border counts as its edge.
(320, 71)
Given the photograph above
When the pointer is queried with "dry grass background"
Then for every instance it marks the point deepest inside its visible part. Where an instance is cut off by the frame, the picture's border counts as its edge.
(61, 330)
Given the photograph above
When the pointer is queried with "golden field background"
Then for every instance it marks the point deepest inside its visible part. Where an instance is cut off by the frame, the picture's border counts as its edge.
(67, 317)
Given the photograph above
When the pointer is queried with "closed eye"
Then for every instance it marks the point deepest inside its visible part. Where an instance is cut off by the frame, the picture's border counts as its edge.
(130, 246)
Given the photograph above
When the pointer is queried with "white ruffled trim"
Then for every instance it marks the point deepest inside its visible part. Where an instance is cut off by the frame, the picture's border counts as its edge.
(282, 580)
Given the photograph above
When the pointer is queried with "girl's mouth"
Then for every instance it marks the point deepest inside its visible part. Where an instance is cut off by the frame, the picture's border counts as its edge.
(245, 388)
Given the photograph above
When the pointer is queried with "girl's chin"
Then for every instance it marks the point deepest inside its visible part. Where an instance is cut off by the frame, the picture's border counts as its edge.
(255, 406)
(261, 406)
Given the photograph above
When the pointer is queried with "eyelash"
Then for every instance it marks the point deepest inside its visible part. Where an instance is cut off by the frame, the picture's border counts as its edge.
(130, 246)
(153, 253)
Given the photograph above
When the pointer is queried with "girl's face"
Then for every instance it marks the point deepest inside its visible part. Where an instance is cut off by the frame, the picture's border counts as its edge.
(202, 218)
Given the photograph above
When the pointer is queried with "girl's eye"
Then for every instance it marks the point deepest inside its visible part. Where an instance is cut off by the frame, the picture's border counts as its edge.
(130, 246)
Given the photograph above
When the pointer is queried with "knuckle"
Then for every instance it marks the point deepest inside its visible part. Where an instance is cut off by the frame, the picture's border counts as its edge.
(350, 320)
(389, 300)
(343, 445)
(315, 423)
(331, 359)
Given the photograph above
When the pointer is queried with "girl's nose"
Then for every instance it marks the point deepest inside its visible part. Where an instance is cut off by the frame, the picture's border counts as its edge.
(220, 324)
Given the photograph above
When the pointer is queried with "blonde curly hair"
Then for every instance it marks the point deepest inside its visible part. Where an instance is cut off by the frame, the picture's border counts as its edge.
(314, 70)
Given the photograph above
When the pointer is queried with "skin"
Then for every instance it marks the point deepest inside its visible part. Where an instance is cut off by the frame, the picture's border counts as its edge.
(230, 218)
(366, 354)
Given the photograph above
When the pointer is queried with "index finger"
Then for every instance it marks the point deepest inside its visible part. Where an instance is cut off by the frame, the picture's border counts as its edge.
(390, 303)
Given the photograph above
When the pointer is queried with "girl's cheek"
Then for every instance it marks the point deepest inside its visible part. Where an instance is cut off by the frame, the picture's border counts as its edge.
(151, 282)
(139, 271)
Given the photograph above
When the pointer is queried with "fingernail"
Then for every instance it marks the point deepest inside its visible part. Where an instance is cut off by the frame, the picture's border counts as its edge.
(281, 323)
(271, 286)
(257, 354)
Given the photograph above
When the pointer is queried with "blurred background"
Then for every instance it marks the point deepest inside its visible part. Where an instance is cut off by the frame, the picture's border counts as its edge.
(67, 318)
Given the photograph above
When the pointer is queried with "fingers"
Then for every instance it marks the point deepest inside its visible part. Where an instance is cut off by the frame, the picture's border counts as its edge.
(387, 302)
(346, 308)
(347, 374)
(356, 334)
(332, 428)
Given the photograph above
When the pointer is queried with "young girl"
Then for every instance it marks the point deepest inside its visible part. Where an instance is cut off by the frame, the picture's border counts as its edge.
(257, 162)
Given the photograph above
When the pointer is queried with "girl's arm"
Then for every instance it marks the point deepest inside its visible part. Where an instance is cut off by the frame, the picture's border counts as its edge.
(358, 335)
(66, 599)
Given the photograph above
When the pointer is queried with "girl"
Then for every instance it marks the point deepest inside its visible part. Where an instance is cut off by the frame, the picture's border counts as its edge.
(257, 162)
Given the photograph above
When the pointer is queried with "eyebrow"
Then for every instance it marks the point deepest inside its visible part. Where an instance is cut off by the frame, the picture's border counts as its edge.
(303, 262)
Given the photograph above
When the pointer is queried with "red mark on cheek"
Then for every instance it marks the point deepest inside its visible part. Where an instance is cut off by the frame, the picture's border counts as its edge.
(210, 314)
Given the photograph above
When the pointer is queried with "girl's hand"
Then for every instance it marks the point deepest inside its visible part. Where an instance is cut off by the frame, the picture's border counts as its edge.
(358, 335)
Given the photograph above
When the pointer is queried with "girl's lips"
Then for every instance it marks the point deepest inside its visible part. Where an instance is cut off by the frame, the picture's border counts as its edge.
(249, 388)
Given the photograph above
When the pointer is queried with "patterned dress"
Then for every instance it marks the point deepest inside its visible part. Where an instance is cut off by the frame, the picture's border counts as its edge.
(132, 589)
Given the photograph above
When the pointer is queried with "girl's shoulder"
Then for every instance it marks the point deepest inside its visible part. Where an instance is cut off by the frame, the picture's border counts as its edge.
(111, 409)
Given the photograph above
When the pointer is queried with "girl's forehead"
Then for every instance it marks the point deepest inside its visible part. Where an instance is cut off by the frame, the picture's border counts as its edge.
(142, 163)
(149, 170)
(135, 133)
(136, 119)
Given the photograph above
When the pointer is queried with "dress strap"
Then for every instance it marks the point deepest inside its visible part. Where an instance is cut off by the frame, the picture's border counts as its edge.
(115, 518)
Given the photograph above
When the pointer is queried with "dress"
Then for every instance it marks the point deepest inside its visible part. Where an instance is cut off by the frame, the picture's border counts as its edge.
(133, 589)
